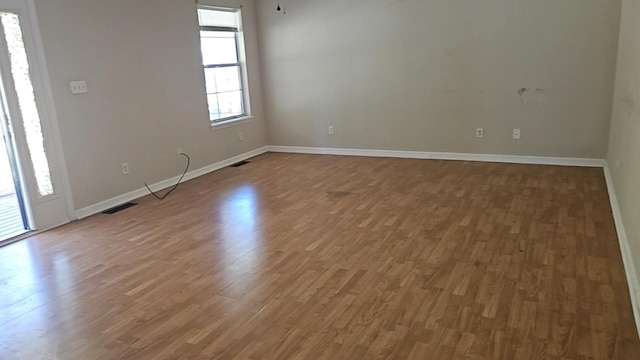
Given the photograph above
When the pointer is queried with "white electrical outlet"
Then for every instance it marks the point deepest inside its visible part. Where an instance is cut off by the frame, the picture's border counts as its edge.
(479, 133)
(332, 130)
(79, 87)
(125, 168)
(240, 136)
(516, 133)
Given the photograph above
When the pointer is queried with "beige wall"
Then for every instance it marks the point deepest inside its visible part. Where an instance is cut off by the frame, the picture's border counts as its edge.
(403, 75)
(624, 143)
(142, 64)
(423, 74)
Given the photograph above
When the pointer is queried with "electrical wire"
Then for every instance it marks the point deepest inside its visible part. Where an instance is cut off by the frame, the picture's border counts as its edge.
(174, 186)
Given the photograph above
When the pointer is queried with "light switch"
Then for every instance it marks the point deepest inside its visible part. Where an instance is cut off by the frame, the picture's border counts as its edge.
(79, 87)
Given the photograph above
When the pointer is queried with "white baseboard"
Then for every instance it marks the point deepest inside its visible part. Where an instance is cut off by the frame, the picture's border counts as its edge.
(516, 159)
(117, 200)
(627, 259)
(120, 199)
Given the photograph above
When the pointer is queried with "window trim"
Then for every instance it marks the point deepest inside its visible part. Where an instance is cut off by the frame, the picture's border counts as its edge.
(241, 64)
(229, 123)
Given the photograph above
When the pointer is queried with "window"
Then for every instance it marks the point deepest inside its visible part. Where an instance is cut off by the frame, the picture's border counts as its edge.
(221, 44)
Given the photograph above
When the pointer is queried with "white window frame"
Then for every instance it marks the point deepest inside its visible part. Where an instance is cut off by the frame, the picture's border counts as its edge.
(242, 63)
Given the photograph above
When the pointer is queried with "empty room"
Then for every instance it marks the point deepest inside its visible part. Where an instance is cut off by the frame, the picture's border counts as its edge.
(307, 179)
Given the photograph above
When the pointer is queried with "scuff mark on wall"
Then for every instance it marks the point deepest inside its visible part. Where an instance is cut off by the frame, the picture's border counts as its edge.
(532, 96)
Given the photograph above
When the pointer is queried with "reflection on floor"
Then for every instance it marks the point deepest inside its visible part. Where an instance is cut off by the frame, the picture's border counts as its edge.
(10, 217)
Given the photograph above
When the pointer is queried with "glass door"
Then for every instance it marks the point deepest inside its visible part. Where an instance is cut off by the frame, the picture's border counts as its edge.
(13, 219)
(31, 152)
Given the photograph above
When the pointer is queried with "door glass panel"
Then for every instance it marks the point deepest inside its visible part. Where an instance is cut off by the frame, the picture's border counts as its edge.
(27, 102)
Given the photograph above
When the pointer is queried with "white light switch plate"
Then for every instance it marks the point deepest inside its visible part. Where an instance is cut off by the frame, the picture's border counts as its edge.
(79, 87)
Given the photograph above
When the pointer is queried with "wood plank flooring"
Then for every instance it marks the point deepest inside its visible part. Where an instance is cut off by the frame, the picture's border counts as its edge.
(327, 257)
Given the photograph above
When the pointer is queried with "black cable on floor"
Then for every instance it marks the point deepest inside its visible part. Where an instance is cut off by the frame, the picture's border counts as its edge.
(174, 186)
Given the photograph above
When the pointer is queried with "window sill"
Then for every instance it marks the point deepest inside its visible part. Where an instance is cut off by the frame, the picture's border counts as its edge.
(230, 123)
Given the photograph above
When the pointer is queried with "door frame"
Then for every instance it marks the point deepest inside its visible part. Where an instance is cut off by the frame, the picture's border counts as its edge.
(50, 119)
(49, 209)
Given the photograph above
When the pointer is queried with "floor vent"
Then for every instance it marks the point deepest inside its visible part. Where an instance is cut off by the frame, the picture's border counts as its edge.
(118, 208)
(240, 163)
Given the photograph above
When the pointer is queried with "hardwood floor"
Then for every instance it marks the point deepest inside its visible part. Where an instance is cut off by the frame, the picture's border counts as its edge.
(326, 257)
